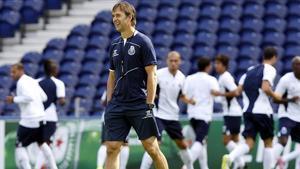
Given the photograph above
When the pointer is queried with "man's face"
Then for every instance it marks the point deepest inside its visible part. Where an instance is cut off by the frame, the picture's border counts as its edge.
(173, 62)
(120, 20)
(296, 67)
(15, 73)
(219, 67)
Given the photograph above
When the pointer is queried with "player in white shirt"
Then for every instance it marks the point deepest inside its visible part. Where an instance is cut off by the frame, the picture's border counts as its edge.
(201, 87)
(257, 86)
(170, 81)
(30, 98)
(55, 91)
(289, 121)
(232, 111)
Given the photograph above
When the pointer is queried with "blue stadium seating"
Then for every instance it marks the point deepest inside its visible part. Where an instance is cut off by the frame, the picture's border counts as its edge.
(53, 4)
(206, 38)
(9, 23)
(188, 12)
(167, 12)
(56, 43)
(82, 30)
(165, 27)
(231, 10)
(31, 57)
(210, 11)
(31, 11)
(252, 24)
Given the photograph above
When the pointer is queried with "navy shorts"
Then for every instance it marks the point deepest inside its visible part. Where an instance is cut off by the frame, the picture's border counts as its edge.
(289, 127)
(26, 136)
(118, 122)
(258, 123)
(48, 129)
(201, 129)
(172, 127)
(232, 125)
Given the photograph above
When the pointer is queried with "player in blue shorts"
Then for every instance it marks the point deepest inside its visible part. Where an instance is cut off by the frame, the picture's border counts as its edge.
(131, 89)
(257, 86)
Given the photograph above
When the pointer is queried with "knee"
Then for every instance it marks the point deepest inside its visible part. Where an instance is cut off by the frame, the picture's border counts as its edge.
(152, 149)
(226, 139)
(283, 141)
(268, 142)
(181, 144)
(113, 148)
(235, 138)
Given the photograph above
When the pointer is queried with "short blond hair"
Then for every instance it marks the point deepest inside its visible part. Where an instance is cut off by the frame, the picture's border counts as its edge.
(128, 9)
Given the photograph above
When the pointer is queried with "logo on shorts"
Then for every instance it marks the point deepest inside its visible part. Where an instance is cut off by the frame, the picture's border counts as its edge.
(148, 114)
(283, 130)
(115, 53)
(131, 50)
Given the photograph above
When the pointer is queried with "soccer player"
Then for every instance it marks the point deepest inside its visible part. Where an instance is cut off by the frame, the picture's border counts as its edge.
(30, 98)
(55, 91)
(131, 89)
(289, 122)
(257, 85)
(201, 87)
(232, 111)
(170, 82)
(101, 155)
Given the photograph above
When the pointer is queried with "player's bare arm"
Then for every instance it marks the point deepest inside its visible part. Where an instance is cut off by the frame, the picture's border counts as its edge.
(187, 100)
(110, 84)
(266, 87)
(151, 83)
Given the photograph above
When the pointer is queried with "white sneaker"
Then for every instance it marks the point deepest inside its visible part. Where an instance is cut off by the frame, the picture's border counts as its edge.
(226, 163)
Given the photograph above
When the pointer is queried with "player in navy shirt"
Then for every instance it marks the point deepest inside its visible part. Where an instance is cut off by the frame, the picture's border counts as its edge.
(131, 89)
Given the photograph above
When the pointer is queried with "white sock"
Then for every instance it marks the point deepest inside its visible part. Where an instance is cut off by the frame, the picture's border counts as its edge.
(268, 159)
(239, 151)
(186, 157)
(292, 155)
(49, 156)
(196, 150)
(40, 160)
(22, 160)
(297, 163)
(203, 158)
(231, 145)
(146, 161)
(124, 155)
(101, 156)
(278, 148)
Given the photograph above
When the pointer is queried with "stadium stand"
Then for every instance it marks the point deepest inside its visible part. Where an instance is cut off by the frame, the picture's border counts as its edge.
(238, 28)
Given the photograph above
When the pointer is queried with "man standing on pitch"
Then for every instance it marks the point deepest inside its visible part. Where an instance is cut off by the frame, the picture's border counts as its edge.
(131, 89)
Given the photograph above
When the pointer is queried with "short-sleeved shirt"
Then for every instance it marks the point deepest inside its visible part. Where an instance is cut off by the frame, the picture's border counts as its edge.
(170, 87)
(128, 59)
(230, 105)
(290, 84)
(199, 86)
(54, 89)
(256, 101)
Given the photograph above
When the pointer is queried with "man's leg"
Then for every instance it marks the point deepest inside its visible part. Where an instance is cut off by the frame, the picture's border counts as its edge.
(113, 151)
(184, 152)
(40, 160)
(203, 157)
(48, 155)
(124, 156)
(146, 161)
(22, 159)
(101, 156)
(268, 160)
(152, 148)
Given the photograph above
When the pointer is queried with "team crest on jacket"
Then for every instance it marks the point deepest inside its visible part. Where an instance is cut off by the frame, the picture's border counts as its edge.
(131, 50)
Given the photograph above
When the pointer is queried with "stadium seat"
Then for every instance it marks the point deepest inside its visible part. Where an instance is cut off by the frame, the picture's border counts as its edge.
(293, 24)
(147, 3)
(31, 57)
(76, 41)
(3, 93)
(244, 64)
(145, 27)
(147, 13)
(239, 2)
(214, 2)
(204, 51)
(279, 67)
(85, 92)
(172, 3)
(56, 43)
(185, 52)
(92, 67)
(6, 82)
(54, 54)
(11, 109)
(103, 80)
(31, 69)
(230, 24)
(165, 27)
(73, 55)
(210, 11)
(252, 38)
(81, 30)
(162, 52)
(287, 66)
(98, 107)
(228, 38)
(188, 12)
(185, 67)
(9, 24)
(208, 25)
(88, 79)
(103, 16)
(291, 51)
(101, 28)
(273, 38)
(252, 24)
(98, 42)
(5, 70)
(72, 68)
(14, 5)
(96, 55)
(184, 39)
(205, 38)
(253, 9)
(293, 38)
(190, 3)
(293, 8)
(232, 66)
(31, 11)
(186, 26)
(231, 10)
(273, 8)
(162, 40)
(230, 51)
(167, 13)
(249, 52)
(133, 2)
(53, 4)
(275, 24)
(69, 80)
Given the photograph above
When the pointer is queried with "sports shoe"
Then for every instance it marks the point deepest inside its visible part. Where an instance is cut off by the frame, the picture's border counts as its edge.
(226, 163)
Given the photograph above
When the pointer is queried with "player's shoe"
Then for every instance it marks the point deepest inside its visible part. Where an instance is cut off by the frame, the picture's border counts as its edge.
(280, 163)
(99, 167)
(226, 163)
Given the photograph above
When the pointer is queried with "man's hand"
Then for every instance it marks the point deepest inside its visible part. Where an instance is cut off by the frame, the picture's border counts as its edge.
(294, 99)
(9, 99)
(216, 93)
(192, 101)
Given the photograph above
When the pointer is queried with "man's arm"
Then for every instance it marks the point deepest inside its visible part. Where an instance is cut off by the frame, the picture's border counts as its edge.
(110, 85)
(187, 100)
(151, 83)
(266, 87)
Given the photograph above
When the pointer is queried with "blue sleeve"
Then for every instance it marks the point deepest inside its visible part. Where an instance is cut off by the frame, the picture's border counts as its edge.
(111, 62)
(148, 53)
